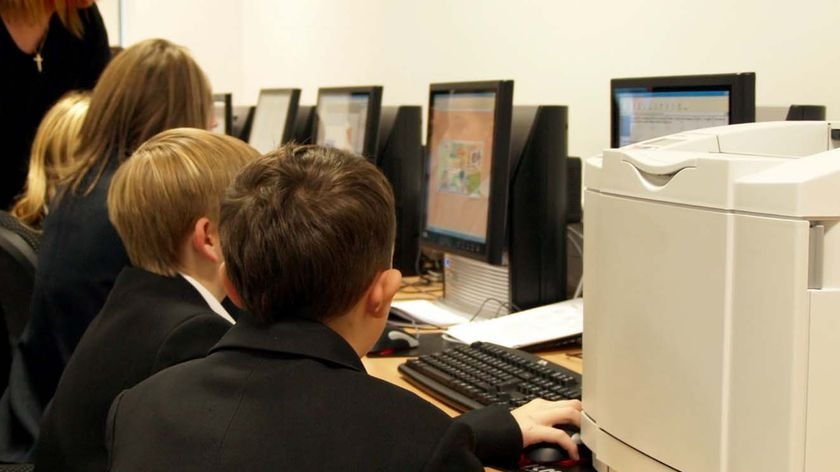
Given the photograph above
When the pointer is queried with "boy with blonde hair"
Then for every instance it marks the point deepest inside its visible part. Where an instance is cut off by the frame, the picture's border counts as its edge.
(308, 235)
(165, 309)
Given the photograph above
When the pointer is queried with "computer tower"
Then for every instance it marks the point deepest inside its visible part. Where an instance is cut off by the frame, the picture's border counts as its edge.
(304, 125)
(574, 182)
(539, 202)
(243, 118)
(400, 157)
(806, 113)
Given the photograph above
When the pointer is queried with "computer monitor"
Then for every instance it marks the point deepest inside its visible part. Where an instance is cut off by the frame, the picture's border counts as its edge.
(348, 118)
(468, 149)
(497, 193)
(223, 113)
(274, 118)
(649, 107)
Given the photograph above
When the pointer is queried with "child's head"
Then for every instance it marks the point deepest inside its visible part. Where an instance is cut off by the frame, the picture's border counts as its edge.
(150, 87)
(305, 231)
(52, 152)
(171, 182)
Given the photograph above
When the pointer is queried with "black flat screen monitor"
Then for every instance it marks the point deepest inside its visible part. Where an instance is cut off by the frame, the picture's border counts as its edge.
(222, 113)
(649, 107)
(468, 149)
(348, 118)
(274, 118)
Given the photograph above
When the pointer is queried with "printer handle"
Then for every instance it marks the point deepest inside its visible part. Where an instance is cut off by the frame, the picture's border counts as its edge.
(660, 164)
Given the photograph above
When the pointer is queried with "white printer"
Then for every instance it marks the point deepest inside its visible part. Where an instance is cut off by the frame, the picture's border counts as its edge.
(712, 295)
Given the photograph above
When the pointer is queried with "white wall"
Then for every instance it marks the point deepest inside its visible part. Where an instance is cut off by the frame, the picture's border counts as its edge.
(558, 52)
(211, 29)
(110, 10)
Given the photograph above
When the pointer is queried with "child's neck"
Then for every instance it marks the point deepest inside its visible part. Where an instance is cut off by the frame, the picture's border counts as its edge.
(206, 273)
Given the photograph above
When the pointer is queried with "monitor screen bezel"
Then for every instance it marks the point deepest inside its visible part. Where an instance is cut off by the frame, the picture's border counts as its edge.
(492, 250)
(741, 87)
(227, 99)
(291, 111)
(374, 93)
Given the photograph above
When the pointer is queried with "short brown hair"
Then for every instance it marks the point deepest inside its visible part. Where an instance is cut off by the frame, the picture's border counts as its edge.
(305, 229)
(170, 182)
(150, 87)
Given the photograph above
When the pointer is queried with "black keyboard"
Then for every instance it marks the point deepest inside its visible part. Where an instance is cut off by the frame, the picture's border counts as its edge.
(469, 377)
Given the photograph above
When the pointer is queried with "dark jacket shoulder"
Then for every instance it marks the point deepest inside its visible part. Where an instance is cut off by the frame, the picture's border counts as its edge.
(148, 323)
(300, 384)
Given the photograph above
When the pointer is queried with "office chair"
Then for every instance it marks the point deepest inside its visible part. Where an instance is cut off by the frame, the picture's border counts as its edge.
(18, 257)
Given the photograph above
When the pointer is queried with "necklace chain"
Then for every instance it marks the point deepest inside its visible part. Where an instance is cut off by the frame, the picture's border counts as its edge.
(39, 59)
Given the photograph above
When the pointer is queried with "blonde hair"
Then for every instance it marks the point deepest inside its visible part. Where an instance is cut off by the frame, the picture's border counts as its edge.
(52, 152)
(33, 11)
(170, 182)
(150, 87)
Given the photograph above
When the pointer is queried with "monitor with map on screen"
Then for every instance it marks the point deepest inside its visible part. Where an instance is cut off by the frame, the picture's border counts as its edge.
(497, 195)
(468, 154)
(649, 107)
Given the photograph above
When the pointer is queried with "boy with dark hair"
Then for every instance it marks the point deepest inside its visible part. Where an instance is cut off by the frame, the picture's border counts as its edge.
(164, 203)
(307, 234)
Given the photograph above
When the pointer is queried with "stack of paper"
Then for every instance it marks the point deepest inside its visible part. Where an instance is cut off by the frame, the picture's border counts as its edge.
(429, 312)
(526, 328)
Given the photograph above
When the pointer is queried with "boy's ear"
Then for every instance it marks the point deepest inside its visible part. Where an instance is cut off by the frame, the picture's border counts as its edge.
(205, 239)
(230, 290)
(385, 285)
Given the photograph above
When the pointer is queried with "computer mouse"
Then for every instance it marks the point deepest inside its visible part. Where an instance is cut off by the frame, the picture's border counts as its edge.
(550, 453)
(545, 453)
(394, 340)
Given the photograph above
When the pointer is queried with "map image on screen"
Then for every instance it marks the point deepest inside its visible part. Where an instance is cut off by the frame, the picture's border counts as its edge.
(460, 167)
(460, 164)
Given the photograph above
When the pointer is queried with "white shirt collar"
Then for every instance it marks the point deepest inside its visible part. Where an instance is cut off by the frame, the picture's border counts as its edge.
(209, 298)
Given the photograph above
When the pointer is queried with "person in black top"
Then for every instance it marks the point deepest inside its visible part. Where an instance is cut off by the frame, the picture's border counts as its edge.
(148, 88)
(307, 234)
(47, 48)
(164, 203)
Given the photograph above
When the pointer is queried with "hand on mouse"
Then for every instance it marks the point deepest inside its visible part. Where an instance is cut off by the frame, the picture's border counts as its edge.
(537, 418)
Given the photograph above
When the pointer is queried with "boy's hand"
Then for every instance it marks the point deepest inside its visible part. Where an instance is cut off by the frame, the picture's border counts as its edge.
(538, 417)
